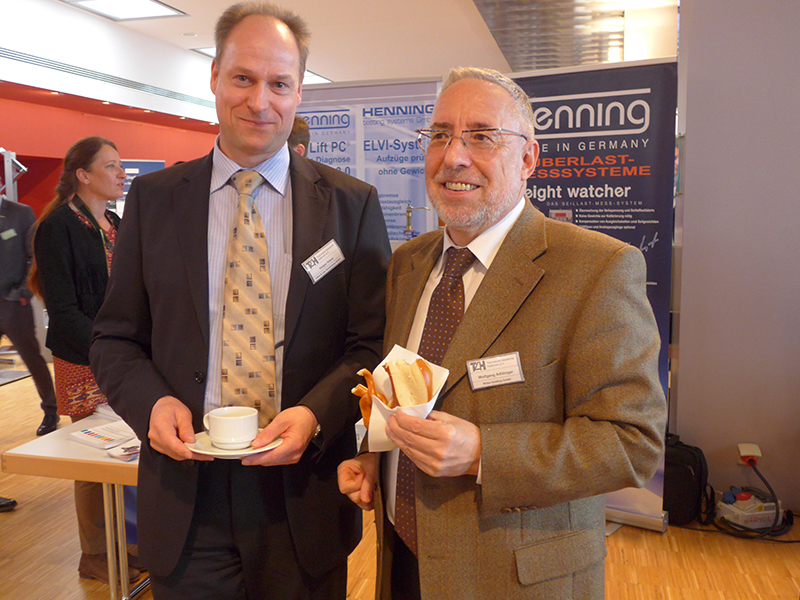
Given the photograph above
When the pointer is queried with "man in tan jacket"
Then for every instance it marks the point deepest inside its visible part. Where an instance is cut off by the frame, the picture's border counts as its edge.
(509, 479)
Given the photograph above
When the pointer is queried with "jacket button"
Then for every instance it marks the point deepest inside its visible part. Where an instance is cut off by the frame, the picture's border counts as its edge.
(199, 376)
(505, 511)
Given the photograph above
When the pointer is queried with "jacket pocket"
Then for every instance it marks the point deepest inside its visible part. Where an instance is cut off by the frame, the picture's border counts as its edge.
(561, 556)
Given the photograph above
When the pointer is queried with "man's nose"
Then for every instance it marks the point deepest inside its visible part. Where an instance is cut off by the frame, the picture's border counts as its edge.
(456, 153)
(259, 98)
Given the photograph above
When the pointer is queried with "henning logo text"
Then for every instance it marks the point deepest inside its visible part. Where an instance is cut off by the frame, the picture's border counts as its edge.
(327, 119)
(621, 112)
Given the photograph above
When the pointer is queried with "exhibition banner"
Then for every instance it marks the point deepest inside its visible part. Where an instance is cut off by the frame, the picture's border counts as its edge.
(607, 139)
(372, 137)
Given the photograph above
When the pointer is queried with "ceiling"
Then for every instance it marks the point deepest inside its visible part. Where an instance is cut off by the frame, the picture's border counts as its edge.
(357, 40)
(373, 40)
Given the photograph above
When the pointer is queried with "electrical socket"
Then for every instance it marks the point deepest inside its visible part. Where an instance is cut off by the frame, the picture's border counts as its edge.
(747, 449)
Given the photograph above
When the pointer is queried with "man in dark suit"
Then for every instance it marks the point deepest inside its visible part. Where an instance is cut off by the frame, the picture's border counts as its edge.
(16, 314)
(507, 480)
(272, 525)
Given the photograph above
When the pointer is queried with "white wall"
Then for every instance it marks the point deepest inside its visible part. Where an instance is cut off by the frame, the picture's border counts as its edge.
(57, 32)
(738, 339)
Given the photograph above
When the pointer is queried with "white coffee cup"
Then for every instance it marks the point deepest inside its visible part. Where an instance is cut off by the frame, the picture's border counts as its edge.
(232, 427)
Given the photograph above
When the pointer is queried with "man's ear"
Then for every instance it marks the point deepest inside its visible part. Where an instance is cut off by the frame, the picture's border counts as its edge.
(530, 157)
(214, 76)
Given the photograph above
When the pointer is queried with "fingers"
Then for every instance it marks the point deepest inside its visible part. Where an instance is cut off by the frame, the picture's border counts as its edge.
(441, 446)
(170, 428)
(356, 479)
(296, 425)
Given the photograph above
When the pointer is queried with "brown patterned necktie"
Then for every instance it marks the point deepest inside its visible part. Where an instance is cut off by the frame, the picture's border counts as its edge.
(248, 346)
(444, 315)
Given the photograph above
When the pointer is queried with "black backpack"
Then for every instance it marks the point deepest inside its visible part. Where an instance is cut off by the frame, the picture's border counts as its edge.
(687, 494)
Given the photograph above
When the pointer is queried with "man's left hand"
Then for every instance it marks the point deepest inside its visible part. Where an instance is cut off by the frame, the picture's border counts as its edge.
(296, 425)
(441, 445)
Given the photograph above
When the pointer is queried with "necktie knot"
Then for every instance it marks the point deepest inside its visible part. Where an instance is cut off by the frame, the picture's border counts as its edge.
(246, 182)
(458, 261)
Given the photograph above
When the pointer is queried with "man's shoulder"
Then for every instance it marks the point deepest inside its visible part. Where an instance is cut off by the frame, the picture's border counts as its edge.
(17, 210)
(561, 233)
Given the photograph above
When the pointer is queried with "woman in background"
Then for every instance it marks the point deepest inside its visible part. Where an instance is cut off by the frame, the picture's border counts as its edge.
(73, 248)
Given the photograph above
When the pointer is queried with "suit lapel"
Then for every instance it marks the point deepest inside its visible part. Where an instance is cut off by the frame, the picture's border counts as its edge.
(190, 199)
(310, 206)
(508, 282)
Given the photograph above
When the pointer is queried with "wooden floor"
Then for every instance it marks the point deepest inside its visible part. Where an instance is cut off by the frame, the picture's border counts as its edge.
(39, 551)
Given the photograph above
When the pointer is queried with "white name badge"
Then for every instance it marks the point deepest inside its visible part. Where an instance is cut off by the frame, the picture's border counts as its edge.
(8, 234)
(494, 370)
(323, 261)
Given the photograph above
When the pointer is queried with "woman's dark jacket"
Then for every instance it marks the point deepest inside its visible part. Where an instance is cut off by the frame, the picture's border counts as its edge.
(73, 275)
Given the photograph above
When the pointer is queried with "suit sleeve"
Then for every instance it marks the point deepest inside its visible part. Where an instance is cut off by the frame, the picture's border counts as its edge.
(120, 354)
(609, 435)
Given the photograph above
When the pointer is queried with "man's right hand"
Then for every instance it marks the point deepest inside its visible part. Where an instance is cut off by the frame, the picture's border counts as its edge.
(357, 478)
(170, 429)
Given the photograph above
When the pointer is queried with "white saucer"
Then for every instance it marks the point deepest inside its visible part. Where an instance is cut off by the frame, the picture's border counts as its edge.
(202, 445)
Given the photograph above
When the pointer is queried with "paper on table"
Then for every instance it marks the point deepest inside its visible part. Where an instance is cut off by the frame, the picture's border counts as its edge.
(377, 441)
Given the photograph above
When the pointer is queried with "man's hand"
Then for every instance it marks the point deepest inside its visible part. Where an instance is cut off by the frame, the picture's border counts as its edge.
(171, 427)
(23, 301)
(357, 479)
(441, 445)
(296, 425)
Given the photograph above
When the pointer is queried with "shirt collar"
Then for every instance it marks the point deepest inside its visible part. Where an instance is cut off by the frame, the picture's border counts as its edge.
(487, 244)
(275, 169)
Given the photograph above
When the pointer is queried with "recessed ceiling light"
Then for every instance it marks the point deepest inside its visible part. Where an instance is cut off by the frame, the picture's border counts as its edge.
(189, 34)
(106, 102)
(130, 9)
(54, 93)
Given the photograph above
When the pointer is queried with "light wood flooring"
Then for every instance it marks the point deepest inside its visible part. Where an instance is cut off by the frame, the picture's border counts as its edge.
(39, 548)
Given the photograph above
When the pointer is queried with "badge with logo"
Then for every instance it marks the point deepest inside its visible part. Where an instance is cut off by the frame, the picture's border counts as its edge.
(492, 371)
(8, 234)
(323, 261)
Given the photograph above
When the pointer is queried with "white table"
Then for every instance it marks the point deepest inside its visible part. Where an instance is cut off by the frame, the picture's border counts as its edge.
(57, 455)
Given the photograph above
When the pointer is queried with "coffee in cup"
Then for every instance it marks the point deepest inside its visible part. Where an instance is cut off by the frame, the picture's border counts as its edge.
(232, 427)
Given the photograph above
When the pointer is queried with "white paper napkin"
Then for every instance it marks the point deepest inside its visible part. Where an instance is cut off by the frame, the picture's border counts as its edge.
(377, 441)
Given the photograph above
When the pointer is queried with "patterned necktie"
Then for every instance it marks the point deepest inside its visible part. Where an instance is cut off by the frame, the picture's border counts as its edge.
(444, 315)
(248, 346)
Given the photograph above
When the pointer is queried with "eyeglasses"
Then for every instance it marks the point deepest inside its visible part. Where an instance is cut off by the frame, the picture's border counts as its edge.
(478, 142)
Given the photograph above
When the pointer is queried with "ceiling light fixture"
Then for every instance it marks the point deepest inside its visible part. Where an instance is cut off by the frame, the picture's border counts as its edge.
(130, 9)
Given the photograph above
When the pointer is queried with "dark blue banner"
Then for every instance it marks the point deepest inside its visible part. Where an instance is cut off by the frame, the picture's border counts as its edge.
(607, 163)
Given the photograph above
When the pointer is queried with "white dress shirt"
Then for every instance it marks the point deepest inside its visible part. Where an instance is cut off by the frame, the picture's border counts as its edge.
(485, 248)
(273, 199)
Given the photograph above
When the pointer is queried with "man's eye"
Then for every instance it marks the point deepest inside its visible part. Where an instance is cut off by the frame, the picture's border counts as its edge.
(481, 138)
(439, 136)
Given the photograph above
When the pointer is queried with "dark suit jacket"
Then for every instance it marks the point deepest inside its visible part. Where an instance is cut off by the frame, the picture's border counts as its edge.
(588, 419)
(151, 340)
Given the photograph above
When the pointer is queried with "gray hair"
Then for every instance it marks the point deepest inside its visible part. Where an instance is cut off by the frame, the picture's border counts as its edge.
(522, 103)
(239, 12)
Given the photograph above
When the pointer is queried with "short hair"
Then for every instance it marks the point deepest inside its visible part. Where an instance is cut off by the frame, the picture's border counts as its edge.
(239, 12)
(300, 133)
(522, 103)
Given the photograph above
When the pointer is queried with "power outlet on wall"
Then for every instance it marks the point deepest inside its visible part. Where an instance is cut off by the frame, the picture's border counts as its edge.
(747, 449)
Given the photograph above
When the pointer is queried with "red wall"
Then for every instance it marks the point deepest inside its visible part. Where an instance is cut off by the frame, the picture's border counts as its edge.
(41, 135)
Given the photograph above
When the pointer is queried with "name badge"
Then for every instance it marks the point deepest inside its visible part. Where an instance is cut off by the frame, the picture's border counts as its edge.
(494, 370)
(8, 234)
(323, 261)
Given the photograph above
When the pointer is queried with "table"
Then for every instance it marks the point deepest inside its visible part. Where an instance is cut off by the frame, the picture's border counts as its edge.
(57, 455)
